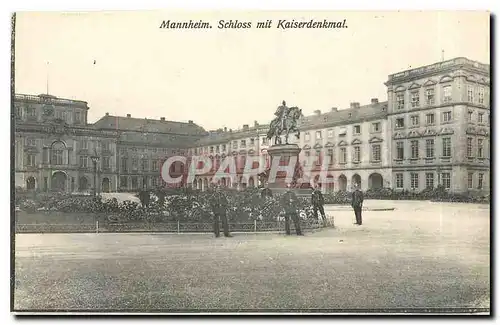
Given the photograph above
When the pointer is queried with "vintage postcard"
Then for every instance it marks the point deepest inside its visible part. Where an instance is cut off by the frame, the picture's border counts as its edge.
(318, 162)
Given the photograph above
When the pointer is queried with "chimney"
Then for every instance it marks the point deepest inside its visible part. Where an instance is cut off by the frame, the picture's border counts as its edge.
(374, 100)
(230, 130)
(245, 126)
(128, 115)
(190, 121)
(335, 109)
(225, 129)
(162, 119)
(317, 112)
(107, 114)
(354, 105)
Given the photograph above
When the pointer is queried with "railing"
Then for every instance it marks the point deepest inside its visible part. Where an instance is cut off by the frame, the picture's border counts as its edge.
(166, 227)
(49, 100)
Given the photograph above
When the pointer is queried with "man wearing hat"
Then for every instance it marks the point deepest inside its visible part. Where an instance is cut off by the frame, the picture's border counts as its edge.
(357, 204)
(289, 202)
(317, 202)
(219, 205)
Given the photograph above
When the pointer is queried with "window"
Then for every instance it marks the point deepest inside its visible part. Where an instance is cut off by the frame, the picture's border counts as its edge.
(124, 165)
(30, 112)
(376, 152)
(31, 142)
(217, 149)
(481, 96)
(470, 180)
(57, 157)
(415, 99)
(429, 180)
(30, 160)
(85, 144)
(264, 141)
(376, 127)
(357, 154)
(470, 94)
(306, 159)
(154, 165)
(400, 100)
(235, 144)
(400, 150)
(318, 135)
(252, 141)
(330, 133)
(429, 119)
(154, 182)
(343, 155)
(447, 116)
(78, 117)
(243, 143)
(446, 180)
(415, 121)
(307, 136)
(134, 182)
(414, 181)
(223, 147)
(145, 164)
(123, 181)
(318, 157)
(469, 116)
(342, 132)
(469, 147)
(446, 147)
(134, 164)
(211, 149)
(357, 129)
(84, 161)
(447, 94)
(480, 181)
(399, 180)
(429, 148)
(330, 156)
(414, 149)
(429, 96)
(480, 117)
(105, 162)
(479, 148)
(400, 122)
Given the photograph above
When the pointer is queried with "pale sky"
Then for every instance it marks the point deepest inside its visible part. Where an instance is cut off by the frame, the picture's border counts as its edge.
(232, 77)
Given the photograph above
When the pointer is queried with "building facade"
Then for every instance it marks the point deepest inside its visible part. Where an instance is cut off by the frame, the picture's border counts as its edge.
(434, 129)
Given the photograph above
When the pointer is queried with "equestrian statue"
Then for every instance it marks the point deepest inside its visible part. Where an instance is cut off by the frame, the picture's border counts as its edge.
(284, 123)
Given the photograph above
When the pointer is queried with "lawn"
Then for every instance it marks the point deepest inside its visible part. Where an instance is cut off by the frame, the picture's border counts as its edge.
(420, 255)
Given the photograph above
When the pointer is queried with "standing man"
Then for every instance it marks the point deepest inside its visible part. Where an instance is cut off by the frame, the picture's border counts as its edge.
(289, 202)
(219, 205)
(317, 202)
(357, 204)
(266, 192)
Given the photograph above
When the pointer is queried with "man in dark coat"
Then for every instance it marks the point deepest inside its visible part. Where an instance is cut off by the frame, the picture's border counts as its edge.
(289, 203)
(357, 204)
(317, 202)
(219, 204)
(266, 192)
(144, 197)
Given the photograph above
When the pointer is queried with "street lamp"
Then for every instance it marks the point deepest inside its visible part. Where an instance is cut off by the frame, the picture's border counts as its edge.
(95, 160)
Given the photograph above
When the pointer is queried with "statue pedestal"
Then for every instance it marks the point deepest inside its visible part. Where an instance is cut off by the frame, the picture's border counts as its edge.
(285, 152)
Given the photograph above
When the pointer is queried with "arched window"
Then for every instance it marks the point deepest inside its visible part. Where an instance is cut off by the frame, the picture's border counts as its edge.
(57, 150)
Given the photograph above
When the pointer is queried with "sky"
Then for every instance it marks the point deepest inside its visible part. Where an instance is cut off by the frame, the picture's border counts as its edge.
(230, 77)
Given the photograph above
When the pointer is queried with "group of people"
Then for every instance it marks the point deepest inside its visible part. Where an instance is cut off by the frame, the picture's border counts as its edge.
(289, 203)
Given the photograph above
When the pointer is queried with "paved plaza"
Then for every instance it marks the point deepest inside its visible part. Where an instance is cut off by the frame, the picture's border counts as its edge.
(421, 254)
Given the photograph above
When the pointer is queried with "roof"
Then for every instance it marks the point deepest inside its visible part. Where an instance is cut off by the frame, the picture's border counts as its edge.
(148, 125)
(345, 116)
(333, 118)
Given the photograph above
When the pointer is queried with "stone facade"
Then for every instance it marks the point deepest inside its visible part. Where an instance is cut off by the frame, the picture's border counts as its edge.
(433, 129)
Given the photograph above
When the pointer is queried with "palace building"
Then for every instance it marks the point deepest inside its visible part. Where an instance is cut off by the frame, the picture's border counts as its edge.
(433, 129)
